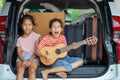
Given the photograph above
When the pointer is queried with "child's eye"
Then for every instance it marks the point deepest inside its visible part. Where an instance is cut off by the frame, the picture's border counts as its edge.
(56, 27)
(30, 24)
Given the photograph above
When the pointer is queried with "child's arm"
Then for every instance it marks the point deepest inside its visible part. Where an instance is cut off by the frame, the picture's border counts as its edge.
(75, 45)
(19, 53)
(43, 55)
(38, 48)
(33, 56)
(20, 56)
(39, 54)
(41, 45)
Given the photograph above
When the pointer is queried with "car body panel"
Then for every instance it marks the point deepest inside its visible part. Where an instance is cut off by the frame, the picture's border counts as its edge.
(118, 71)
(111, 74)
(114, 9)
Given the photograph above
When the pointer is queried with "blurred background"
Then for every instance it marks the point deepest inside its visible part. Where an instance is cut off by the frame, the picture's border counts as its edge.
(76, 12)
(1, 4)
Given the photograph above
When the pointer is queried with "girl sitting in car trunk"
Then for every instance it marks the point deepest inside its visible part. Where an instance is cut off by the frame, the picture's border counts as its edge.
(26, 47)
(61, 66)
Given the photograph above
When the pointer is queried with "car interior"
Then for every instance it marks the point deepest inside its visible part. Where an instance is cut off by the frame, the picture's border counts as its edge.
(77, 18)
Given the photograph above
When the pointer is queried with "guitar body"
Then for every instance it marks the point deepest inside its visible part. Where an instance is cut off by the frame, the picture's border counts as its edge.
(53, 52)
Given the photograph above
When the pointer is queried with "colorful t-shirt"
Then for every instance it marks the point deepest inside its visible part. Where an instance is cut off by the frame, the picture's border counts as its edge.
(47, 42)
(28, 44)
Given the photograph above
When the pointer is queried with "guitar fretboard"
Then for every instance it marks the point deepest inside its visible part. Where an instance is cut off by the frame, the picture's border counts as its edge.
(69, 47)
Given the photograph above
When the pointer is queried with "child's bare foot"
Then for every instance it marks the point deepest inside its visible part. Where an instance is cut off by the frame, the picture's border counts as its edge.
(62, 74)
(44, 74)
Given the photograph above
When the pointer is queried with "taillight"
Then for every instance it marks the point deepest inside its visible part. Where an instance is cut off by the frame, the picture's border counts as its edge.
(116, 33)
(3, 20)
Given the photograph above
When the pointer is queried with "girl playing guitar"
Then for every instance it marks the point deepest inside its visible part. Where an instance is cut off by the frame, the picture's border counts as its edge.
(61, 66)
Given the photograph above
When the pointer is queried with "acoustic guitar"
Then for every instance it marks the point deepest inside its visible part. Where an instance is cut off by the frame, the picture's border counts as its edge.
(60, 51)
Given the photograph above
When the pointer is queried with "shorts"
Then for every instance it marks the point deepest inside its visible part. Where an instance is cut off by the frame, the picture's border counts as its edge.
(66, 62)
(27, 57)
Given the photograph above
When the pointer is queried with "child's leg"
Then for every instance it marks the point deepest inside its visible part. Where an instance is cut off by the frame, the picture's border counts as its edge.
(59, 67)
(32, 70)
(76, 64)
(20, 71)
(62, 66)
(61, 74)
(53, 70)
(74, 61)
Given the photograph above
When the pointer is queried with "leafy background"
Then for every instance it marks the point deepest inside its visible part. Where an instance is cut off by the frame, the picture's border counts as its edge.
(1, 4)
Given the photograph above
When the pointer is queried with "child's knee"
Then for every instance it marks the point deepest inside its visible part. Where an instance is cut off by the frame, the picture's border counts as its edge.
(20, 70)
(32, 70)
(79, 59)
(68, 67)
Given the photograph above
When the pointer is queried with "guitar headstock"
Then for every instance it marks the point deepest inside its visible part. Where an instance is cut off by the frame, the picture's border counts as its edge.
(91, 40)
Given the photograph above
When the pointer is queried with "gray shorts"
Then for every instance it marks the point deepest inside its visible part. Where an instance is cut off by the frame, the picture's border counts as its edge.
(27, 57)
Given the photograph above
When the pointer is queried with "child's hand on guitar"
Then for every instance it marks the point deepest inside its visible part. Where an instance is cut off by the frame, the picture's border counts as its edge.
(37, 52)
(91, 40)
(75, 45)
(48, 57)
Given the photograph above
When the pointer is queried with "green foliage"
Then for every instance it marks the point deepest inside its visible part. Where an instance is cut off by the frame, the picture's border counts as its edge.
(74, 13)
(1, 4)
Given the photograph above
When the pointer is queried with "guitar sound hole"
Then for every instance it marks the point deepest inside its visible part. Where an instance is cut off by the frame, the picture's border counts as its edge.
(57, 51)
(46, 52)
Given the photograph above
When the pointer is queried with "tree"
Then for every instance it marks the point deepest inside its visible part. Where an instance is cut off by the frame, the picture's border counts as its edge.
(1, 4)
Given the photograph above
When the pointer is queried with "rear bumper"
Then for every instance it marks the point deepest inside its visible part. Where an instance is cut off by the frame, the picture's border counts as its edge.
(118, 72)
(6, 73)
(113, 73)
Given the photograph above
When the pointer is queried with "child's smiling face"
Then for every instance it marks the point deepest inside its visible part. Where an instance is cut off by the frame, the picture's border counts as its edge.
(56, 29)
(27, 26)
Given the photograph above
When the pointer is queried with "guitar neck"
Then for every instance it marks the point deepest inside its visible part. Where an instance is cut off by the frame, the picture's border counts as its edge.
(69, 47)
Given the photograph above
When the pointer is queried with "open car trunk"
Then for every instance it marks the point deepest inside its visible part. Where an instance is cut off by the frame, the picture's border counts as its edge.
(86, 11)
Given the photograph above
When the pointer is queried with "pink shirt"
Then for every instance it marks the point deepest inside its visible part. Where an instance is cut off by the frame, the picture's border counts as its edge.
(28, 44)
(47, 42)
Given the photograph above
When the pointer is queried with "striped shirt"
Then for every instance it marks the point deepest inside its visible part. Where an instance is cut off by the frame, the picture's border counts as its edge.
(47, 42)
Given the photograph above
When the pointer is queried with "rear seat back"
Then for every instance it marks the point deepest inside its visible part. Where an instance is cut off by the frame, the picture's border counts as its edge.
(75, 33)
